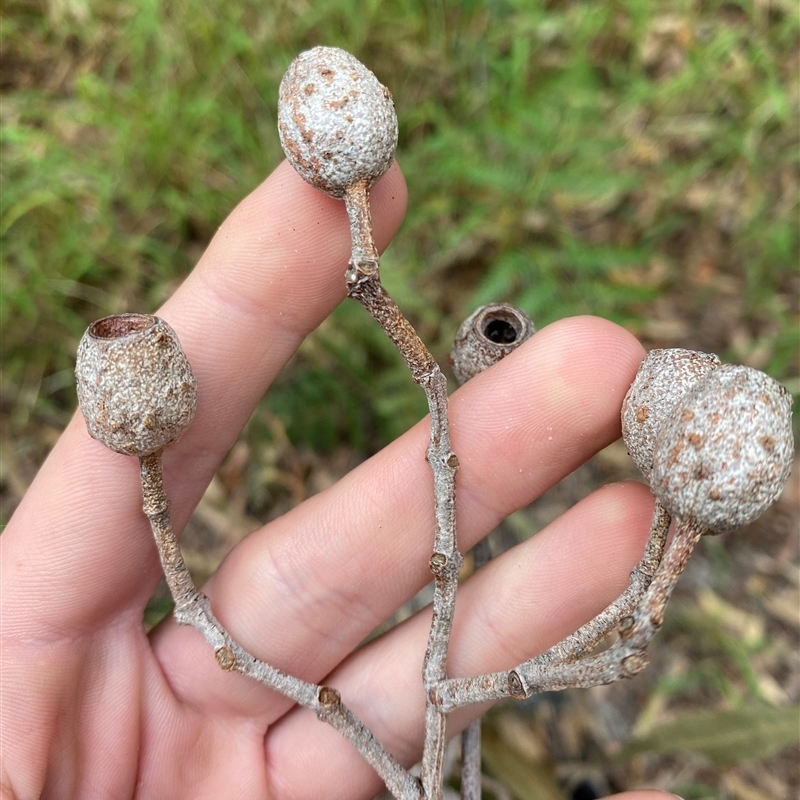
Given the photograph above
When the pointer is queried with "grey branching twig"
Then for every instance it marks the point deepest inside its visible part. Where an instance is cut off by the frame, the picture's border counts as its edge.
(714, 442)
(445, 561)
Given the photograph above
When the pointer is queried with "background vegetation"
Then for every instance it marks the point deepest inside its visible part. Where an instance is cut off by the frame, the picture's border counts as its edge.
(630, 158)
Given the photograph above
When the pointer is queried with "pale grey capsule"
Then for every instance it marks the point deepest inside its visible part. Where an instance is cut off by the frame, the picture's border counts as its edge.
(486, 336)
(135, 386)
(336, 121)
(725, 454)
(664, 377)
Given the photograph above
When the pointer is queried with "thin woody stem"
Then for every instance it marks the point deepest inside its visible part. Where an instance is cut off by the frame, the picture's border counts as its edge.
(459, 692)
(588, 636)
(363, 284)
(471, 736)
(627, 656)
(192, 608)
(156, 507)
(471, 761)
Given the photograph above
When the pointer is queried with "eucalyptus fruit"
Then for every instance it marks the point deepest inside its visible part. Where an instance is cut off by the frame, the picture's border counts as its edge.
(135, 386)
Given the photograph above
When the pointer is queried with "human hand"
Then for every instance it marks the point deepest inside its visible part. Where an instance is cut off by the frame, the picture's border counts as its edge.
(93, 707)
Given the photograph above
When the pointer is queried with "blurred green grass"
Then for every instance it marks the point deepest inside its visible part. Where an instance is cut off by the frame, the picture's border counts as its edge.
(570, 157)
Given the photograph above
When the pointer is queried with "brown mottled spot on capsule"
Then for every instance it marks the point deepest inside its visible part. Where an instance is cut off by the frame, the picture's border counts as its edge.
(715, 418)
(387, 93)
(354, 76)
(702, 472)
(714, 494)
(687, 415)
(768, 443)
(696, 440)
(327, 74)
(149, 422)
(296, 151)
(642, 413)
(309, 89)
(335, 105)
(300, 121)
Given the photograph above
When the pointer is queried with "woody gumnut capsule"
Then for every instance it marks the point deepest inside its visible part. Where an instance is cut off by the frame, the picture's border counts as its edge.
(136, 389)
(725, 454)
(336, 121)
(663, 378)
(487, 336)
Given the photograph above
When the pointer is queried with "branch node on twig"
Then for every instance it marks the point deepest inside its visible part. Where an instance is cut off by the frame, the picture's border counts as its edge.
(438, 564)
(625, 628)
(225, 658)
(515, 686)
(329, 697)
(633, 664)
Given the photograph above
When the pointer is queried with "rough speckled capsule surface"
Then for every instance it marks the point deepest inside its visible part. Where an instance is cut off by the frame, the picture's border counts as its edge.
(136, 389)
(487, 336)
(336, 121)
(664, 377)
(725, 455)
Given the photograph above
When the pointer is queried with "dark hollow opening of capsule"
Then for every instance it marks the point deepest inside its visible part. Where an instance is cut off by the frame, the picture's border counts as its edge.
(500, 331)
(121, 325)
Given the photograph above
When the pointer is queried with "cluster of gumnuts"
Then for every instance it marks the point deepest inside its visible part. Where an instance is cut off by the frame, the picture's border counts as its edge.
(714, 441)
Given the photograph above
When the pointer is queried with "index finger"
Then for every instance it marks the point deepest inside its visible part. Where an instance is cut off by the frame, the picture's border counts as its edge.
(78, 549)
